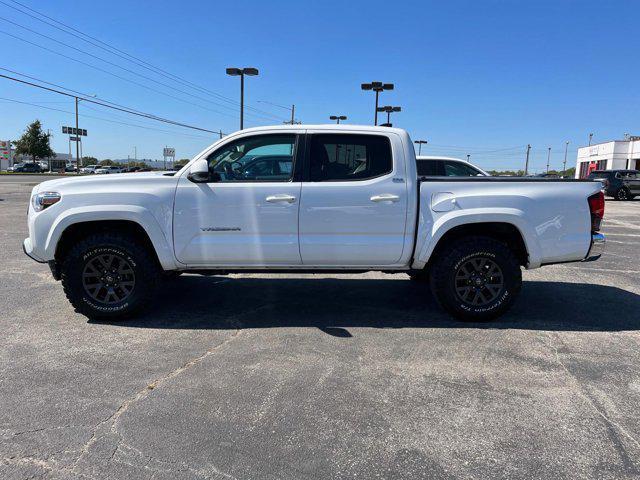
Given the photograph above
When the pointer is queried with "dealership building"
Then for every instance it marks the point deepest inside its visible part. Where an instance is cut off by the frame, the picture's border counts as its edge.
(613, 155)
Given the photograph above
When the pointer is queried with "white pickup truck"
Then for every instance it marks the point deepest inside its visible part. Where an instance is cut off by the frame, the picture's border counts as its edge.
(309, 199)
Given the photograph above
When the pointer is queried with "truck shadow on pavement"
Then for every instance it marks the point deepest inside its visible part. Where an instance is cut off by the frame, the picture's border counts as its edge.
(336, 304)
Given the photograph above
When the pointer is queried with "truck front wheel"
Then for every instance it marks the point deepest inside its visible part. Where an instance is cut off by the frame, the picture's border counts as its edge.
(476, 278)
(109, 275)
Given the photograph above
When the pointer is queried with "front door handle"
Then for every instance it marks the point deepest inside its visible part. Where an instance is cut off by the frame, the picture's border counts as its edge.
(280, 198)
(385, 197)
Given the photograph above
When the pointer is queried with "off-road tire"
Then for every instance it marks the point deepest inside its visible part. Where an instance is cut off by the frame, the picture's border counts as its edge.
(419, 276)
(448, 264)
(146, 274)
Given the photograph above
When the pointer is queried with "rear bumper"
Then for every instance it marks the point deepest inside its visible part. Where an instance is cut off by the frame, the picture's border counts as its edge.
(596, 249)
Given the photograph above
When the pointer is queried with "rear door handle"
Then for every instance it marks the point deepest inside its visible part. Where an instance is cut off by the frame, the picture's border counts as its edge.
(280, 198)
(385, 197)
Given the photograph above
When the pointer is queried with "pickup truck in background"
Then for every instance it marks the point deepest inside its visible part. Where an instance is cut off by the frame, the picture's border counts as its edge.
(309, 199)
(619, 184)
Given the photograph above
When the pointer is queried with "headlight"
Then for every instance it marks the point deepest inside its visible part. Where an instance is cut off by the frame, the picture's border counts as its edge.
(43, 200)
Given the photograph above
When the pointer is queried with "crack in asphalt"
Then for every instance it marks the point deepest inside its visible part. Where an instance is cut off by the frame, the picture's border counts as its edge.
(110, 424)
(612, 426)
(112, 420)
(45, 464)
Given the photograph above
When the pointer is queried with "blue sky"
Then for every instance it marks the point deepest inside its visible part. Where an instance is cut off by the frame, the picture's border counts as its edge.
(478, 77)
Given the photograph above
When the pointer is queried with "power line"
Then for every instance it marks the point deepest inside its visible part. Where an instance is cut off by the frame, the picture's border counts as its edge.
(84, 94)
(100, 118)
(76, 49)
(122, 109)
(122, 54)
(114, 74)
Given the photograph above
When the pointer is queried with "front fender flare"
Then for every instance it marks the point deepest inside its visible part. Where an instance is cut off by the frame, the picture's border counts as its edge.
(132, 213)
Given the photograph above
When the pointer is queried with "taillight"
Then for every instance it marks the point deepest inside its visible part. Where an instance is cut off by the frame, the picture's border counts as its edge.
(596, 207)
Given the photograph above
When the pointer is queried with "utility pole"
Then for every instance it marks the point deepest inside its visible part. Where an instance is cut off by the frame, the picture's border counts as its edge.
(77, 138)
(526, 164)
(548, 158)
(220, 134)
(292, 109)
(564, 166)
(49, 135)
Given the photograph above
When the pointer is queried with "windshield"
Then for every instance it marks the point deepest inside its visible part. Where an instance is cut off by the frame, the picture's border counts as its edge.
(598, 175)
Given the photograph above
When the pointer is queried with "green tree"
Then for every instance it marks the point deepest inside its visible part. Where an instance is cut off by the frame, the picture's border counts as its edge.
(34, 143)
(89, 161)
(182, 162)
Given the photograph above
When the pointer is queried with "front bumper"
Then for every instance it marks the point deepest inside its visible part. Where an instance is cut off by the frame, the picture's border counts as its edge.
(28, 250)
(596, 249)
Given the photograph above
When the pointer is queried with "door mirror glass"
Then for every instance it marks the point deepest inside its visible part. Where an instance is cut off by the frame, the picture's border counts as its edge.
(199, 172)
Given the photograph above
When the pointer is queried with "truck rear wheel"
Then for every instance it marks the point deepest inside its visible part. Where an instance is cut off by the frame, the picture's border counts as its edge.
(109, 275)
(476, 278)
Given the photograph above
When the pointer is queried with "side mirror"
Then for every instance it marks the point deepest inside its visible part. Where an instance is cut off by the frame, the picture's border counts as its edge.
(199, 172)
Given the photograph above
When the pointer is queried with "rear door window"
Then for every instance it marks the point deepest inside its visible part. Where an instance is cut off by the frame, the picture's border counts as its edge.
(344, 157)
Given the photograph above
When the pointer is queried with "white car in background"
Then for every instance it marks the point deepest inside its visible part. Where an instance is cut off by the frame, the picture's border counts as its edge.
(108, 169)
(431, 166)
(89, 169)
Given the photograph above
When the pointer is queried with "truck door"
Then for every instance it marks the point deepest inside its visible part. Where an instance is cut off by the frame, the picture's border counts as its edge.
(353, 204)
(247, 216)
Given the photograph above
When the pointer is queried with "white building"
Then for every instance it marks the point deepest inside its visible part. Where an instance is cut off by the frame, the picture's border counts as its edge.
(8, 158)
(613, 155)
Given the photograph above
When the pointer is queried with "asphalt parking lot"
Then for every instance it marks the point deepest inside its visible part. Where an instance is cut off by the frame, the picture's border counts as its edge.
(344, 376)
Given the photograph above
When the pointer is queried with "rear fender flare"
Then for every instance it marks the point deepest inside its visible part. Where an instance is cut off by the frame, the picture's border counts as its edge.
(429, 237)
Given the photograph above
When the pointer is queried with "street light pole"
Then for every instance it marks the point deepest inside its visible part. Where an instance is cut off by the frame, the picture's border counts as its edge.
(388, 109)
(468, 157)
(77, 138)
(564, 166)
(420, 143)
(337, 118)
(241, 72)
(241, 101)
(548, 158)
(526, 163)
(590, 137)
(377, 87)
